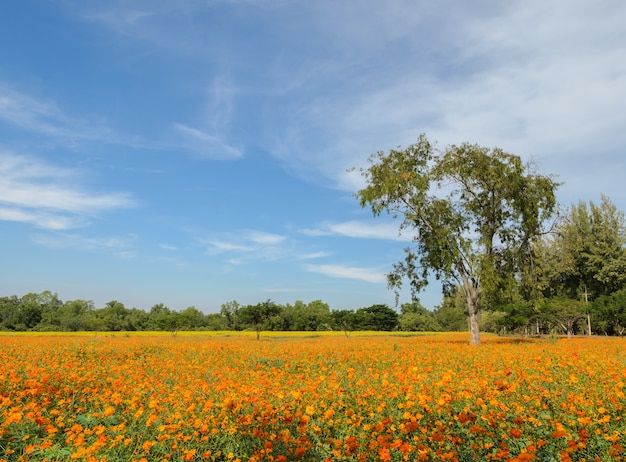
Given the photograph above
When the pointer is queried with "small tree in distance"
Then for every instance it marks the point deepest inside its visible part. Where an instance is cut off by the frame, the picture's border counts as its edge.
(474, 213)
(257, 315)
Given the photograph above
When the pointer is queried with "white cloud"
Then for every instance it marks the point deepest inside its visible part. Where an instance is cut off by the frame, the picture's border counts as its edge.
(120, 245)
(45, 118)
(314, 255)
(349, 272)
(41, 220)
(33, 191)
(253, 245)
(216, 246)
(359, 229)
(248, 245)
(263, 238)
(541, 79)
(206, 144)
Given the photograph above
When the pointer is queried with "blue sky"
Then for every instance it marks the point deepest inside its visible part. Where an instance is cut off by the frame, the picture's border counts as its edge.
(195, 152)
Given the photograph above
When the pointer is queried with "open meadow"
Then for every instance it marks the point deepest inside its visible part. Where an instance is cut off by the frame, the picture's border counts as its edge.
(229, 397)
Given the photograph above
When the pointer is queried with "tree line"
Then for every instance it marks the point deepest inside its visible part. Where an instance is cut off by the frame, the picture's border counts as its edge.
(46, 312)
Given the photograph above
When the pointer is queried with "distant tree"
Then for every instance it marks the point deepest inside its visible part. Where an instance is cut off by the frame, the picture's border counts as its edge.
(94, 322)
(156, 314)
(451, 314)
(114, 316)
(40, 309)
(159, 308)
(191, 318)
(587, 253)
(306, 317)
(170, 322)
(414, 317)
(609, 313)
(9, 307)
(317, 315)
(344, 320)
(29, 313)
(491, 321)
(474, 213)
(72, 316)
(563, 314)
(230, 313)
(215, 321)
(257, 315)
(376, 317)
(518, 317)
(50, 304)
(137, 320)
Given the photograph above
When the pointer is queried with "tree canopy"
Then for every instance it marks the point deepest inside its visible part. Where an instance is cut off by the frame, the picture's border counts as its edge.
(473, 213)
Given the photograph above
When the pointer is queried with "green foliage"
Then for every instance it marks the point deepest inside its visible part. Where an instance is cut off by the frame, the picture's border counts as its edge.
(257, 315)
(414, 317)
(609, 313)
(229, 312)
(306, 317)
(376, 317)
(587, 252)
(451, 314)
(343, 320)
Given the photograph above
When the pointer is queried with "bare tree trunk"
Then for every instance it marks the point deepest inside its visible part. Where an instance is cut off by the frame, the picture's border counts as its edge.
(472, 296)
(474, 328)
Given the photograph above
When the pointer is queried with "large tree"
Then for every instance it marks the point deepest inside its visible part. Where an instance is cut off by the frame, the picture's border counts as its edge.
(474, 213)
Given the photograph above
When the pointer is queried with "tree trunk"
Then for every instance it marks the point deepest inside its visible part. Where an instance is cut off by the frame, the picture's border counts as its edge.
(472, 297)
(474, 328)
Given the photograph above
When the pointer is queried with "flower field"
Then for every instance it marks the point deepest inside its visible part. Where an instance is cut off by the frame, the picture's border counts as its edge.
(363, 398)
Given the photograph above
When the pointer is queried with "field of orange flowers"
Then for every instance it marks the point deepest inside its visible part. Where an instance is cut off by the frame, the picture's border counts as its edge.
(362, 398)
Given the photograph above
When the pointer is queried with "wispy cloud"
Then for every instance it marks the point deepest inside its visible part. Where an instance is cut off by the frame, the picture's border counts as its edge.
(45, 118)
(206, 144)
(503, 76)
(247, 246)
(314, 255)
(40, 219)
(320, 80)
(121, 246)
(358, 229)
(35, 192)
(372, 275)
